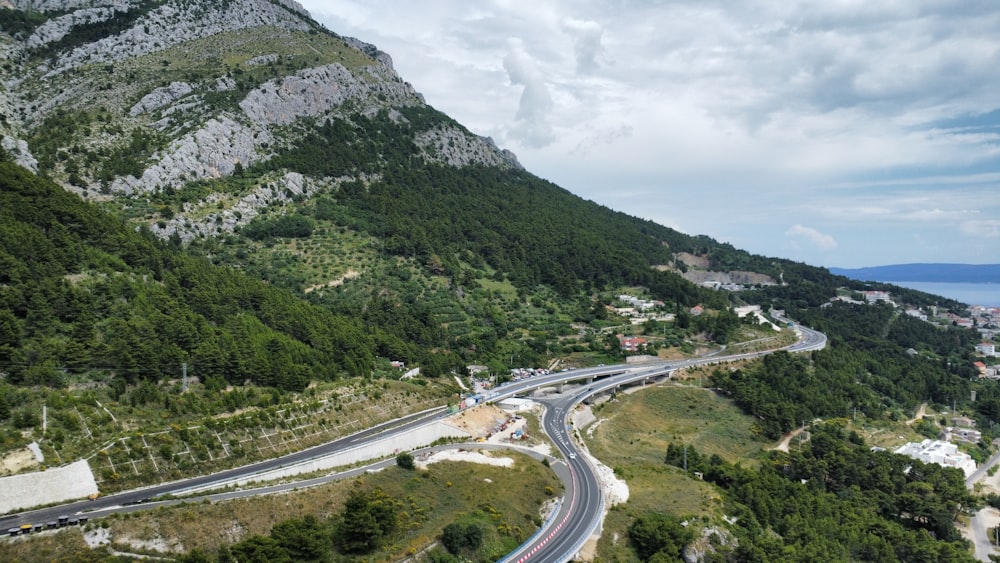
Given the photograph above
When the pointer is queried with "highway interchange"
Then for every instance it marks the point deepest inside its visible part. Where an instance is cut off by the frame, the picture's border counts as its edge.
(560, 537)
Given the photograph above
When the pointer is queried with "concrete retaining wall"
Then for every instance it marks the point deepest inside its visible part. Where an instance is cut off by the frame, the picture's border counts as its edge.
(70, 482)
(416, 438)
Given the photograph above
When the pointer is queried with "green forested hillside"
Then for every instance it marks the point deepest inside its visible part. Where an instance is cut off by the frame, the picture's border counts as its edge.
(834, 499)
(510, 221)
(879, 364)
(82, 291)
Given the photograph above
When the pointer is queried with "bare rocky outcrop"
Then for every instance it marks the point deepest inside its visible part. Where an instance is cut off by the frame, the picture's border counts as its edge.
(457, 147)
(161, 97)
(239, 214)
(214, 150)
(314, 91)
(370, 50)
(263, 59)
(706, 542)
(56, 28)
(58, 5)
(295, 7)
(18, 149)
(211, 152)
(173, 23)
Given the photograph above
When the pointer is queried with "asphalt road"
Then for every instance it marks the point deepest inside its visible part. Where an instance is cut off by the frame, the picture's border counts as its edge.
(980, 539)
(977, 524)
(583, 504)
(982, 470)
(561, 536)
(137, 497)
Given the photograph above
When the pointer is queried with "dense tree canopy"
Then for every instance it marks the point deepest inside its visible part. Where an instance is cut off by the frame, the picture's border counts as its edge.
(80, 290)
(834, 499)
(532, 230)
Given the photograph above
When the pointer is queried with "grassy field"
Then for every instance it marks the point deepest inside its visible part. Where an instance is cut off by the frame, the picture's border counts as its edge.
(65, 544)
(756, 338)
(504, 501)
(632, 438)
(638, 427)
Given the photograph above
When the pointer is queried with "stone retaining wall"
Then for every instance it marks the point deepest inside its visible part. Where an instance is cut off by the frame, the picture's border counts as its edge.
(59, 484)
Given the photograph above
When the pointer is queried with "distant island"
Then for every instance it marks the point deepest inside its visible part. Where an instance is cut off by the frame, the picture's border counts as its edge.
(938, 273)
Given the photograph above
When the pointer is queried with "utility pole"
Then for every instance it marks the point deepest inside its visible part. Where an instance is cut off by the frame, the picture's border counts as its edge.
(45, 418)
(685, 458)
(184, 377)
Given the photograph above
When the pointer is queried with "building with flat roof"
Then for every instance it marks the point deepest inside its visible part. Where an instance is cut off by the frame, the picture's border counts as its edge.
(941, 453)
(876, 296)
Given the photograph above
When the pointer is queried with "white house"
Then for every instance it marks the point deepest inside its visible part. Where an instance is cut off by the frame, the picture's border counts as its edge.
(941, 453)
(876, 296)
(986, 348)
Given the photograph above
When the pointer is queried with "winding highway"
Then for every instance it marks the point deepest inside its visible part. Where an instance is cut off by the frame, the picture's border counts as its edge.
(582, 510)
(560, 537)
(136, 497)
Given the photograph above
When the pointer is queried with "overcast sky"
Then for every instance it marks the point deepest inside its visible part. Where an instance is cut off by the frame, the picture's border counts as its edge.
(838, 133)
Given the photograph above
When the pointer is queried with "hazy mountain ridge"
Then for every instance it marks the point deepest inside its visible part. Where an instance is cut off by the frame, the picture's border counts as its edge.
(921, 272)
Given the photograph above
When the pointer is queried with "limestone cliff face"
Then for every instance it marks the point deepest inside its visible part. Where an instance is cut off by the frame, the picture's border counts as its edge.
(120, 98)
(161, 25)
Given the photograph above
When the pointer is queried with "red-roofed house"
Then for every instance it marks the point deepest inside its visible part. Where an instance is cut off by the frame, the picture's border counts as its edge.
(631, 343)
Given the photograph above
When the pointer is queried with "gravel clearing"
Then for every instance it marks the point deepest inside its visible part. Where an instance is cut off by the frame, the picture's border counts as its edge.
(464, 455)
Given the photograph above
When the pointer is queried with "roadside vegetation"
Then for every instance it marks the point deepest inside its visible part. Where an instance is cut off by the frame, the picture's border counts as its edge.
(632, 436)
(168, 433)
(451, 509)
(730, 497)
(720, 473)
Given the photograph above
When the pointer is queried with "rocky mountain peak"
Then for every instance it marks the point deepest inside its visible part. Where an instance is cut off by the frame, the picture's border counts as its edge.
(118, 98)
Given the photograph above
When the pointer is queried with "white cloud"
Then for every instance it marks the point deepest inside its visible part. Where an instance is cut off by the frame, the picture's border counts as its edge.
(825, 242)
(603, 137)
(586, 43)
(716, 117)
(988, 229)
(531, 125)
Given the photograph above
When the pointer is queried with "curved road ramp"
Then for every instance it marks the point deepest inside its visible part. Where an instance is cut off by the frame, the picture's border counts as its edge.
(59, 484)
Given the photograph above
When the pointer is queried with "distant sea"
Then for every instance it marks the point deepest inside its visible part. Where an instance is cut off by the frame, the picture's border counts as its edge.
(985, 294)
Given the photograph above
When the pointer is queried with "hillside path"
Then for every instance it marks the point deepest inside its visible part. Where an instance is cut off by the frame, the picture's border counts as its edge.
(787, 440)
(919, 415)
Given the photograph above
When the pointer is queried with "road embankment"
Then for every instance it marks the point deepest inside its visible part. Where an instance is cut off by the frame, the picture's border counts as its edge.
(388, 446)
